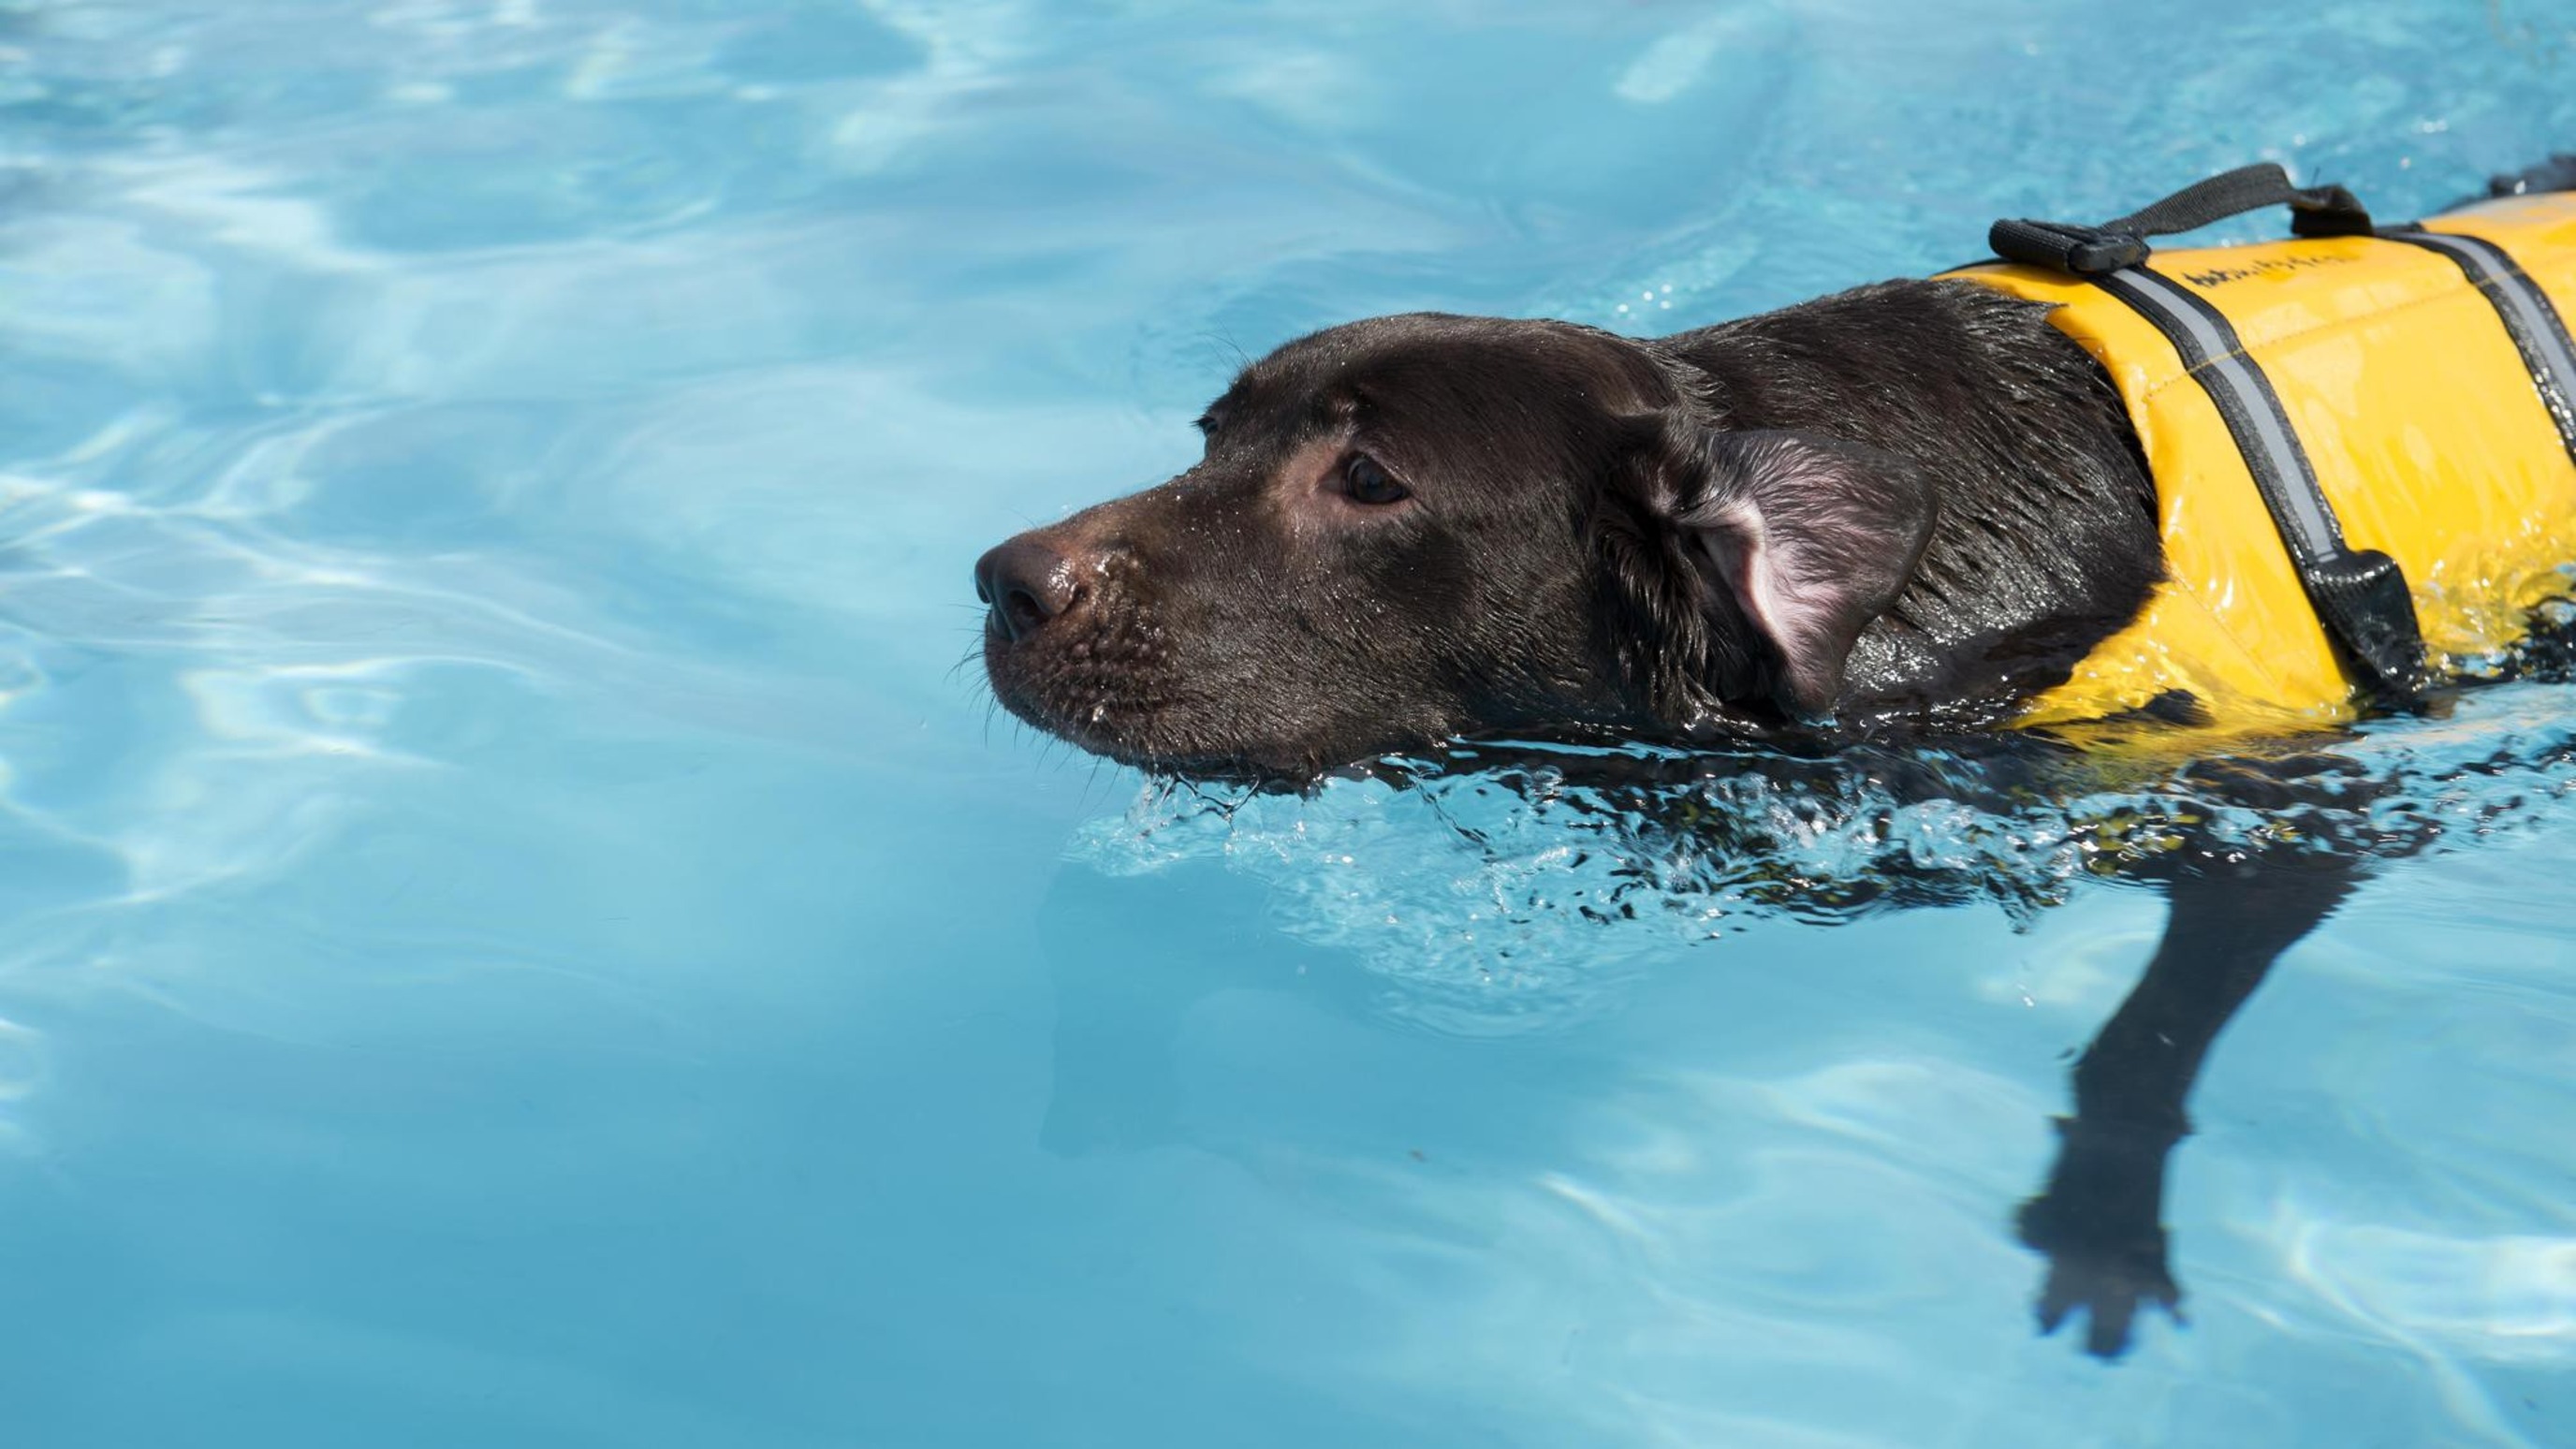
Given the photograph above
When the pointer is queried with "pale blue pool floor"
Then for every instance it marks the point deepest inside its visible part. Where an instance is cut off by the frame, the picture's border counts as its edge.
(515, 931)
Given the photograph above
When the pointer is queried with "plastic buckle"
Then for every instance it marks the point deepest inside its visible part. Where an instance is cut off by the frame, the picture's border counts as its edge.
(2083, 251)
(2322, 211)
(2375, 609)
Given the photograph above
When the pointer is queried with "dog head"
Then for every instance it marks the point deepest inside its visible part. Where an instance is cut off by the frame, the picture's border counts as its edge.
(1426, 526)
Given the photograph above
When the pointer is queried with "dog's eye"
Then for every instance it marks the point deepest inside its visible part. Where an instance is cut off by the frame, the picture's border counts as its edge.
(1366, 482)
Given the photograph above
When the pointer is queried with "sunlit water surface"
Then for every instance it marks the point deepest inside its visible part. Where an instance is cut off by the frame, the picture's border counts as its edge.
(515, 931)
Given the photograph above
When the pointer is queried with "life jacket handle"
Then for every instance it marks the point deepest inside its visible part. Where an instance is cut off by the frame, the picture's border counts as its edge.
(2093, 251)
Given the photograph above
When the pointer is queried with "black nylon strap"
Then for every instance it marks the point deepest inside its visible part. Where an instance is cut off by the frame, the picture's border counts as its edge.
(2314, 210)
(2534, 324)
(2360, 594)
(2094, 251)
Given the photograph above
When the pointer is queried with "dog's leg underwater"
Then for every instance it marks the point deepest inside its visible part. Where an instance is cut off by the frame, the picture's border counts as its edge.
(2100, 1219)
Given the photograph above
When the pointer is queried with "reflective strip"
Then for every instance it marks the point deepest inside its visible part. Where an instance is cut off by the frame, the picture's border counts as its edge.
(2536, 329)
(2360, 597)
(2212, 354)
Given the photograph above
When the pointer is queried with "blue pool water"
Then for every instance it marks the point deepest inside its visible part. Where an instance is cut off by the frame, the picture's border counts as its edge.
(515, 930)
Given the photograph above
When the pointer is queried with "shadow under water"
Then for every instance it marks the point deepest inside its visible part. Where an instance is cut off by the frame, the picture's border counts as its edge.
(1565, 854)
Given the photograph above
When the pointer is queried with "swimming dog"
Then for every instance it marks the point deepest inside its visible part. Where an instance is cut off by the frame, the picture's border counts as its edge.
(1919, 505)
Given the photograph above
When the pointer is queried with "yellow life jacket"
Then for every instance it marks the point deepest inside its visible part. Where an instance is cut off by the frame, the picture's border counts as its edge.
(2423, 403)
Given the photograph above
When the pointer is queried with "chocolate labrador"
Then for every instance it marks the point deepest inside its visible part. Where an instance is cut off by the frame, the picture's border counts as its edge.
(1914, 502)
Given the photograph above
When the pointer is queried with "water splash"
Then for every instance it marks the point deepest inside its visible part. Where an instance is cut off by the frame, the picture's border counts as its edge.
(1498, 887)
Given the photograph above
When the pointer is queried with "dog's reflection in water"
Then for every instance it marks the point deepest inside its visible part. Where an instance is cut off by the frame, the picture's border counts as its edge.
(2252, 852)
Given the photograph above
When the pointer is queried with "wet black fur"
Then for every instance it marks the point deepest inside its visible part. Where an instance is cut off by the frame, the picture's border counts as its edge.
(1541, 579)
(2046, 540)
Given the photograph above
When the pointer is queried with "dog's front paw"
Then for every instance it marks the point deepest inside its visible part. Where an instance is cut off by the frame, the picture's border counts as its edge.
(2107, 1274)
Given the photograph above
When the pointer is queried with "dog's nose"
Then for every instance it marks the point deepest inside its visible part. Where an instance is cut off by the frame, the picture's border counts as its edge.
(1027, 583)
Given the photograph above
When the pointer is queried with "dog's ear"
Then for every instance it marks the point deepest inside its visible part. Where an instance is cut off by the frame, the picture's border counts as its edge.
(1806, 538)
